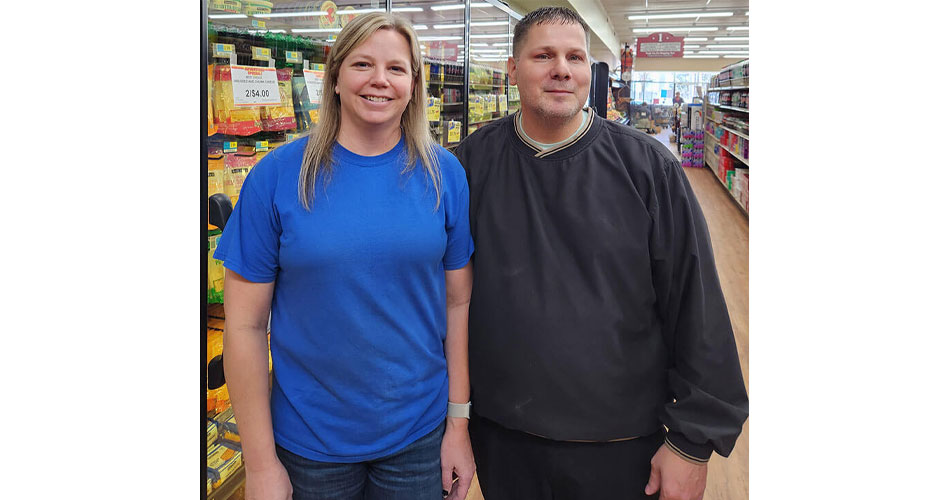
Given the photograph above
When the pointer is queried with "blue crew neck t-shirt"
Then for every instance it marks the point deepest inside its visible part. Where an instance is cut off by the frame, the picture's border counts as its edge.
(358, 318)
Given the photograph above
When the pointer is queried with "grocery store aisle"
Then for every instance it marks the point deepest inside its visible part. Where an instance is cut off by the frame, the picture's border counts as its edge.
(729, 232)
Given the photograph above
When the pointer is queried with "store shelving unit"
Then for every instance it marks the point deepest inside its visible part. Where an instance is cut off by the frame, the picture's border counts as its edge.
(729, 165)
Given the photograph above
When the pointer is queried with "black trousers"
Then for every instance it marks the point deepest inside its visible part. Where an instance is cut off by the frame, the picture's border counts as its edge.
(513, 465)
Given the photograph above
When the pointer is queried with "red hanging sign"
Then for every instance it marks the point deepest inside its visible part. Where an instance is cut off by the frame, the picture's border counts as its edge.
(660, 45)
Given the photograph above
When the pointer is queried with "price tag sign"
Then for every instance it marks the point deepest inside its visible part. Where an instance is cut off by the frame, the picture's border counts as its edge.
(433, 109)
(230, 146)
(503, 103)
(294, 57)
(260, 53)
(455, 131)
(314, 81)
(261, 146)
(223, 49)
(254, 86)
(257, 23)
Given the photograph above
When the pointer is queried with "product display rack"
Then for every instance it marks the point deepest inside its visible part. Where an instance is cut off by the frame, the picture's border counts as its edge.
(726, 150)
(243, 37)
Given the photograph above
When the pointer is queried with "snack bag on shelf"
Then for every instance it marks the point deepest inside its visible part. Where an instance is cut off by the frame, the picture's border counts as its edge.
(236, 168)
(228, 469)
(229, 118)
(212, 129)
(274, 118)
(212, 433)
(215, 270)
(219, 401)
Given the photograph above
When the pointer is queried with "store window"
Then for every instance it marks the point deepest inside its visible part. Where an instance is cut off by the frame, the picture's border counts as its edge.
(659, 87)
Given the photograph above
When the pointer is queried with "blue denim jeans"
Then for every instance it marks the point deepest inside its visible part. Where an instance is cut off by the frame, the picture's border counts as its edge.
(413, 473)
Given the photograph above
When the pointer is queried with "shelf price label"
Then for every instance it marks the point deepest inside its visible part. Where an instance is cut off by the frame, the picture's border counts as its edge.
(257, 23)
(223, 49)
(261, 146)
(230, 146)
(294, 57)
(314, 81)
(253, 86)
(455, 132)
(502, 103)
(433, 109)
(260, 53)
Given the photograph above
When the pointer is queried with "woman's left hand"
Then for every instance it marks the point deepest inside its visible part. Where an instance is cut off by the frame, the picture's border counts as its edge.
(457, 457)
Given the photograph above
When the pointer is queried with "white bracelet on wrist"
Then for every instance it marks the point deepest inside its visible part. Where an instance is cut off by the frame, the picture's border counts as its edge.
(458, 410)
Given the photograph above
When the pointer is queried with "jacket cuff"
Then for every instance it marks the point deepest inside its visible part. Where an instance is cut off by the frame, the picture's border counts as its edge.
(696, 453)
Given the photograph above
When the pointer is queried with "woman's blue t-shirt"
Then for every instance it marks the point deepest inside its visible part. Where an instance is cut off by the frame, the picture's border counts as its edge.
(358, 317)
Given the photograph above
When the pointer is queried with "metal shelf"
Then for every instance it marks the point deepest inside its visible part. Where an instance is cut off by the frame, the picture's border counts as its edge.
(723, 147)
(744, 110)
(740, 134)
(229, 486)
(717, 89)
(728, 193)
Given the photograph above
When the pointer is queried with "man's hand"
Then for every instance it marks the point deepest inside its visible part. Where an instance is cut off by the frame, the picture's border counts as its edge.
(457, 457)
(270, 482)
(675, 478)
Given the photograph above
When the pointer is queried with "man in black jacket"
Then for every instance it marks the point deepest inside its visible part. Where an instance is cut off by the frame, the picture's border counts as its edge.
(602, 358)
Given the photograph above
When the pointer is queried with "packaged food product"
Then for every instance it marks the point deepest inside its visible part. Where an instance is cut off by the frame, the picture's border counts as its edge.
(212, 128)
(281, 117)
(236, 168)
(229, 118)
(215, 270)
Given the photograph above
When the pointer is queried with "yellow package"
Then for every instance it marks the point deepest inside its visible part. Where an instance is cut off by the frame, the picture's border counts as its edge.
(218, 455)
(228, 469)
(229, 118)
(212, 129)
(218, 398)
(210, 487)
(281, 117)
(212, 433)
(236, 168)
(215, 271)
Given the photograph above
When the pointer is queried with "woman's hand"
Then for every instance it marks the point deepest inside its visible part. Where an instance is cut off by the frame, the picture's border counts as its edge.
(268, 483)
(457, 457)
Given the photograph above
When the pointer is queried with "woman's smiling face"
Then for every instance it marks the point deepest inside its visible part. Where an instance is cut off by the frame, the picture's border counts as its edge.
(375, 81)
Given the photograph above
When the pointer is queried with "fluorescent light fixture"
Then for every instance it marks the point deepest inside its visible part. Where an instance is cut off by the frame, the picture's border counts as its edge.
(407, 9)
(438, 38)
(316, 30)
(447, 26)
(685, 28)
(359, 11)
(701, 57)
(479, 45)
(293, 14)
(460, 6)
(501, 44)
(226, 16)
(690, 46)
(679, 15)
(731, 39)
(746, 52)
(488, 51)
(490, 23)
(419, 27)
(695, 39)
(495, 35)
(726, 46)
(737, 28)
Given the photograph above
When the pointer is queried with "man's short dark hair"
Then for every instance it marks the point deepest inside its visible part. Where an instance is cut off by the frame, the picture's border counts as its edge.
(546, 15)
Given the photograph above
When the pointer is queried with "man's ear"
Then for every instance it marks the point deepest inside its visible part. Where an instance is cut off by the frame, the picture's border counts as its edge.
(512, 71)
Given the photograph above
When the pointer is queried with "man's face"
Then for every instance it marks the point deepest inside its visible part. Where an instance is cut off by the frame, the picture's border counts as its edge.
(552, 71)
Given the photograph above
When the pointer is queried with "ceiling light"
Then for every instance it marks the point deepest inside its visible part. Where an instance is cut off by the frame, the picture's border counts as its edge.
(690, 46)
(226, 16)
(735, 28)
(447, 26)
(686, 28)
(293, 14)
(495, 35)
(695, 39)
(418, 27)
(701, 57)
(501, 44)
(460, 6)
(679, 16)
(491, 23)
(726, 46)
(359, 11)
(479, 45)
(407, 9)
(438, 38)
(731, 39)
(316, 30)
(746, 52)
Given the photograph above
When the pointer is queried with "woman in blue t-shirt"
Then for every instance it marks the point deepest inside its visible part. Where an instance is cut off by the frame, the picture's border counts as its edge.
(355, 243)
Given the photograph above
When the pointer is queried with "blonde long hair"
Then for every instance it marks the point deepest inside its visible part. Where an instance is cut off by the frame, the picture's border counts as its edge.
(318, 157)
